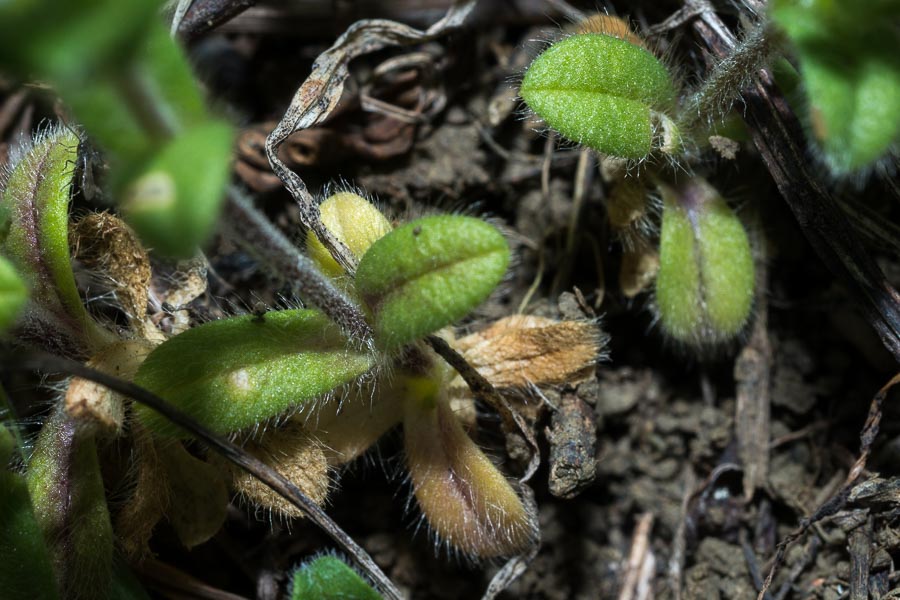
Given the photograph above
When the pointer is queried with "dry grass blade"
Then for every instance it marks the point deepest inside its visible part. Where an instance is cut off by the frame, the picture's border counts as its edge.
(322, 90)
(47, 363)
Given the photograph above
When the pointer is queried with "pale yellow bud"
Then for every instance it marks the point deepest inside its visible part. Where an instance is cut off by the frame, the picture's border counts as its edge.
(353, 220)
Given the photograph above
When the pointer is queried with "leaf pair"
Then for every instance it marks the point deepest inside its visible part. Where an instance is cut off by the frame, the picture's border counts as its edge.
(237, 373)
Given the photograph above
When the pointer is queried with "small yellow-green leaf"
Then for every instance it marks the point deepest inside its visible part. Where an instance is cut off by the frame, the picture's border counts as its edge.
(238, 372)
(198, 496)
(353, 220)
(428, 274)
(13, 294)
(330, 578)
(599, 90)
(704, 288)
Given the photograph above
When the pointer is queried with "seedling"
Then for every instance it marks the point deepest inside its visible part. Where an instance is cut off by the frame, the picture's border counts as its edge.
(605, 90)
(307, 389)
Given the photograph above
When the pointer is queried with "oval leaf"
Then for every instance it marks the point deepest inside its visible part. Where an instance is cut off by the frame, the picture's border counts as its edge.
(851, 76)
(704, 289)
(428, 274)
(598, 90)
(238, 372)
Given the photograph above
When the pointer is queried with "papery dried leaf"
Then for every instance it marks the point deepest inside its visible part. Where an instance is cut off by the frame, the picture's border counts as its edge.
(638, 270)
(95, 405)
(105, 243)
(523, 350)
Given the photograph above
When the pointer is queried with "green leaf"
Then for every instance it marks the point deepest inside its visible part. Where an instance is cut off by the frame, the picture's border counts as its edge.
(429, 273)
(34, 211)
(69, 502)
(704, 288)
(25, 567)
(599, 91)
(851, 71)
(329, 578)
(175, 202)
(238, 372)
(13, 294)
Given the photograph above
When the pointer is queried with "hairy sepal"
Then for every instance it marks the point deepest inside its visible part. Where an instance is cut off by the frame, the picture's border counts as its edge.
(429, 273)
(467, 502)
(69, 501)
(34, 220)
(237, 373)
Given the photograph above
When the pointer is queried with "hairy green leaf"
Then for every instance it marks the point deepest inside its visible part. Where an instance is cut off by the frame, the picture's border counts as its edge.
(429, 273)
(599, 90)
(34, 212)
(69, 501)
(704, 288)
(13, 294)
(238, 372)
(25, 567)
(330, 578)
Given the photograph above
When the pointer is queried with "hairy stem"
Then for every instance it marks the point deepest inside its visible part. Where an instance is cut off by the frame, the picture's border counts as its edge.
(283, 260)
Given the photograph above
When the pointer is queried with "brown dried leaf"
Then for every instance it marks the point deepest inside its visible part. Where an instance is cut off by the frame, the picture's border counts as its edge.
(107, 244)
(294, 453)
(522, 350)
(638, 270)
(96, 405)
(149, 499)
